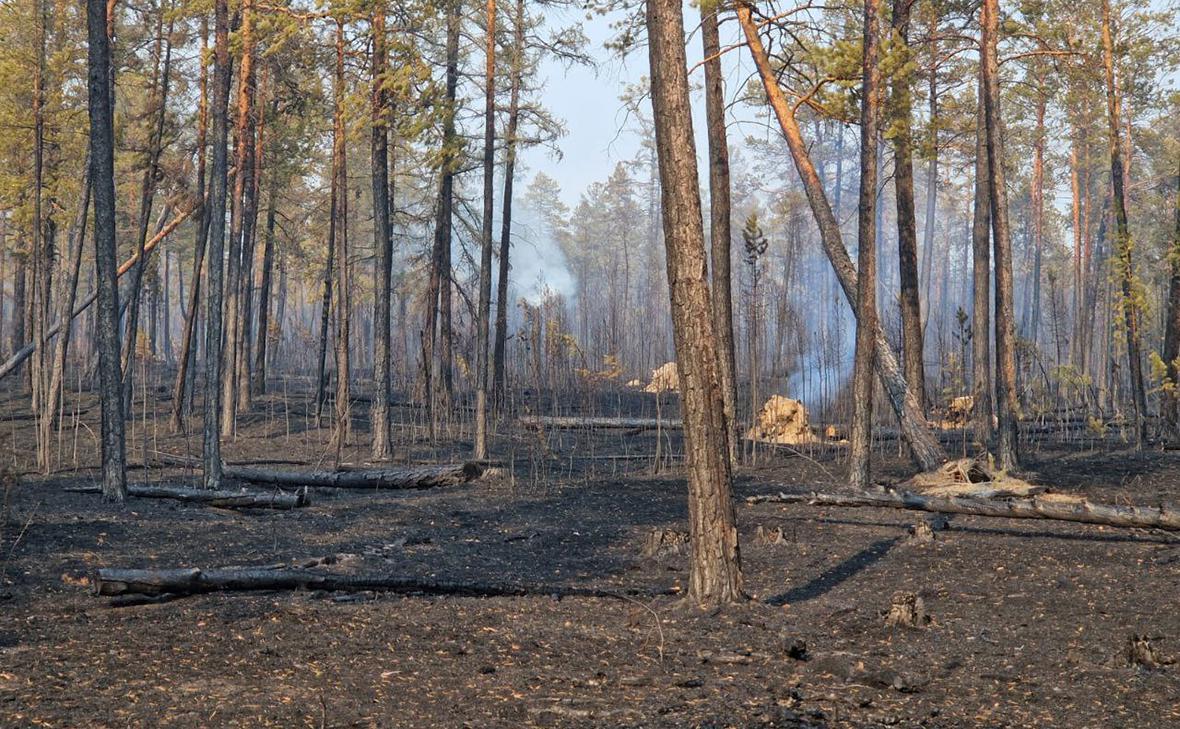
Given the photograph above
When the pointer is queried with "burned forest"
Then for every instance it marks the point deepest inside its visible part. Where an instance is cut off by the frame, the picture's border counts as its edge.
(382, 363)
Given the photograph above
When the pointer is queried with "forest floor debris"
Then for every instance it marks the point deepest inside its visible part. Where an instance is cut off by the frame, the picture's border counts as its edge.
(1022, 608)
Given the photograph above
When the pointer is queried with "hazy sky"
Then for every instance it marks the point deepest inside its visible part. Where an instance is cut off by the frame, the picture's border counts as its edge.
(587, 100)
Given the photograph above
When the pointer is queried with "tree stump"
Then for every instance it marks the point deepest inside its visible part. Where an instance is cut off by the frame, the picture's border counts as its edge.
(907, 610)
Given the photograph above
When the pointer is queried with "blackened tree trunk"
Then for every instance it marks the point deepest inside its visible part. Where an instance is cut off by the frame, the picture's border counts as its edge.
(916, 431)
(485, 263)
(216, 249)
(720, 218)
(716, 576)
(901, 106)
(1006, 406)
(1122, 242)
(861, 440)
(382, 448)
(499, 370)
(981, 366)
(102, 176)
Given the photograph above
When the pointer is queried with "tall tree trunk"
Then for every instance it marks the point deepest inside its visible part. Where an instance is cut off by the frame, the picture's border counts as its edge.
(499, 371)
(326, 299)
(924, 446)
(343, 432)
(102, 176)
(981, 365)
(1123, 245)
(240, 230)
(1006, 405)
(716, 576)
(485, 263)
(211, 460)
(720, 218)
(262, 337)
(188, 340)
(382, 448)
(907, 224)
(861, 440)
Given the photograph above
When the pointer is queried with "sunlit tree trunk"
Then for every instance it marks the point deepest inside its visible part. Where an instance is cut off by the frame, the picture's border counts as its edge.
(716, 576)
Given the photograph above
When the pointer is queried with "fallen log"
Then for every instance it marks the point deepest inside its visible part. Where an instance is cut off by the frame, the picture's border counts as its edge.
(568, 422)
(1044, 506)
(225, 499)
(194, 581)
(408, 477)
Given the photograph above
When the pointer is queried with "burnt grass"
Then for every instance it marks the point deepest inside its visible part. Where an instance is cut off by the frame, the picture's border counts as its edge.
(1029, 621)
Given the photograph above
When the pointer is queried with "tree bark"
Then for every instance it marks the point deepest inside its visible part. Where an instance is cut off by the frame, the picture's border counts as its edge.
(382, 447)
(541, 422)
(102, 176)
(1007, 410)
(343, 432)
(1085, 512)
(216, 250)
(716, 576)
(907, 224)
(499, 369)
(227, 499)
(193, 581)
(407, 477)
(485, 263)
(262, 336)
(861, 440)
(923, 444)
(241, 224)
(1123, 244)
(720, 218)
(981, 365)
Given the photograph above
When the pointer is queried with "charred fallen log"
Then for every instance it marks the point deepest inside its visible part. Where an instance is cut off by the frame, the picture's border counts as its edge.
(226, 499)
(407, 477)
(194, 581)
(570, 422)
(1044, 506)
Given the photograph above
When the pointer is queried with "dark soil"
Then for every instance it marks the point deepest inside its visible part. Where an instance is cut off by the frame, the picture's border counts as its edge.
(1029, 621)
